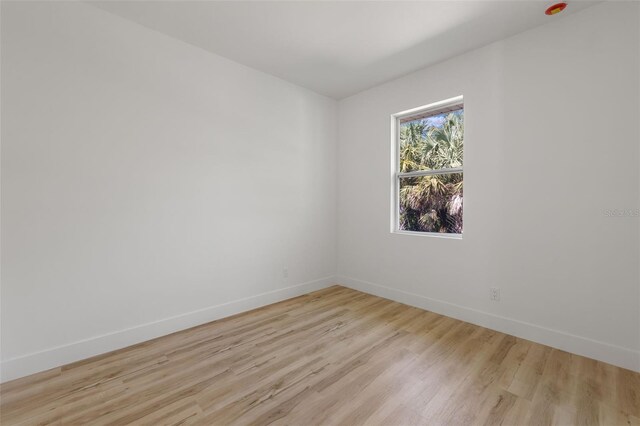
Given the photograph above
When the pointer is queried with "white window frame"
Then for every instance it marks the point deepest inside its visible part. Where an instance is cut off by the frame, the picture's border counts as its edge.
(426, 111)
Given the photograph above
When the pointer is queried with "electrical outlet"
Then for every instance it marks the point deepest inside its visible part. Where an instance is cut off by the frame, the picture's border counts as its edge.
(285, 272)
(494, 294)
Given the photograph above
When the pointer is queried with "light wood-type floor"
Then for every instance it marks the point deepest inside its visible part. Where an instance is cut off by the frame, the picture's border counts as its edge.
(336, 356)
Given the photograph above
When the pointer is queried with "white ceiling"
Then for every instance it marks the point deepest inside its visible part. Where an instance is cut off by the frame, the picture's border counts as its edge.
(338, 48)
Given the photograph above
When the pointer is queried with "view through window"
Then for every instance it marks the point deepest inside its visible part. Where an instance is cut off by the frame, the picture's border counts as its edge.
(429, 174)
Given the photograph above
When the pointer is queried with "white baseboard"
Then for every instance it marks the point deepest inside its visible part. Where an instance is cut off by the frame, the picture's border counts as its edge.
(601, 351)
(54, 357)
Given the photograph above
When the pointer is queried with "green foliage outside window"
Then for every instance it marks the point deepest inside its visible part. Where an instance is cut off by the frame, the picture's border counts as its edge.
(432, 203)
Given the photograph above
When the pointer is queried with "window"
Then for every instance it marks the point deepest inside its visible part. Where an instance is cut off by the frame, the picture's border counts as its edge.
(428, 147)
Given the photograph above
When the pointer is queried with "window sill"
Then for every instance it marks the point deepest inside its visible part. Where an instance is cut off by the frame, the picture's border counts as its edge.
(430, 234)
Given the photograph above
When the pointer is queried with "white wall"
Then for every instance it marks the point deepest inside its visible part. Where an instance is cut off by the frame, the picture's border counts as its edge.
(552, 141)
(146, 182)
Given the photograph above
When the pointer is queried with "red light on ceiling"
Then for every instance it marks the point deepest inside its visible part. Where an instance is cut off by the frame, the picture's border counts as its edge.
(556, 8)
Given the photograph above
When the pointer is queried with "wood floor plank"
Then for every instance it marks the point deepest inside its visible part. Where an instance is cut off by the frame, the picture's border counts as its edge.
(337, 357)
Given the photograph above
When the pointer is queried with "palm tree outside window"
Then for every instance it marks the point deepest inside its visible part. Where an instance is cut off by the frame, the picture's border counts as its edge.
(428, 180)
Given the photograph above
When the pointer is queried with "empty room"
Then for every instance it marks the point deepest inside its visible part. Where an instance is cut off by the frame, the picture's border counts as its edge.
(254, 212)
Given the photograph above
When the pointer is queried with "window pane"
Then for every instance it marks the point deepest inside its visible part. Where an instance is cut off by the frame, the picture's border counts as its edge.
(432, 143)
(431, 203)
